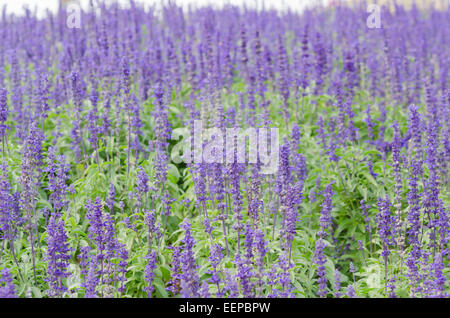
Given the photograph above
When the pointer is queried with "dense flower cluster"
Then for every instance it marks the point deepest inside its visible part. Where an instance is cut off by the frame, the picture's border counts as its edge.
(7, 288)
(94, 203)
(58, 256)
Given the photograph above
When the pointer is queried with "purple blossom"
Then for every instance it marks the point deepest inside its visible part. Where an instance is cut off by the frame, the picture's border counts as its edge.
(385, 223)
(111, 197)
(110, 255)
(7, 288)
(325, 215)
(4, 112)
(385, 229)
(149, 272)
(189, 275)
(320, 260)
(10, 214)
(57, 170)
(351, 291)
(175, 279)
(337, 284)
(215, 258)
(142, 181)
(244, 275)
(57, 256)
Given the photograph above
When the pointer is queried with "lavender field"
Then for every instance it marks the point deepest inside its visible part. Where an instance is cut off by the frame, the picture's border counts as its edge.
(119, 176)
